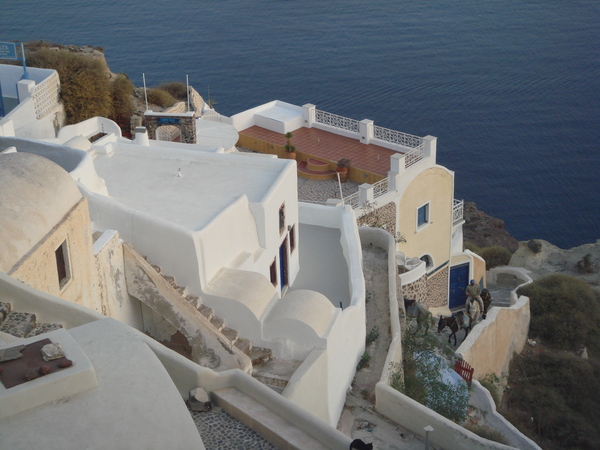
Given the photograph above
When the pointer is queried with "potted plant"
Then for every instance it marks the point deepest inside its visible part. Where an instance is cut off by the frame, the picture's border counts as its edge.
(289, 148)
(342, 168)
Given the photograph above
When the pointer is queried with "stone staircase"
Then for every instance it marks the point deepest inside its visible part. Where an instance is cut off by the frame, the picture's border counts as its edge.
(314, 169)
(257, 355)
(22, 324)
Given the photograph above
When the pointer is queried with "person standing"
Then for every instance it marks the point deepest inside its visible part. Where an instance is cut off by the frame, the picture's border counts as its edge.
(473, 294)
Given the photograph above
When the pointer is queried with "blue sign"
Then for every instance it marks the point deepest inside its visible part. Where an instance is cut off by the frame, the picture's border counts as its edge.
(8, 50)
(167, 121)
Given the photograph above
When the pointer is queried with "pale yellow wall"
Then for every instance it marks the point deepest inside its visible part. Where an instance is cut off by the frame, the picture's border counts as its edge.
(436, 186)
(38, 267)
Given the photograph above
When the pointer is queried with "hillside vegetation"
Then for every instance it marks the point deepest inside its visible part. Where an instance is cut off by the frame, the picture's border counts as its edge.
(553, 392)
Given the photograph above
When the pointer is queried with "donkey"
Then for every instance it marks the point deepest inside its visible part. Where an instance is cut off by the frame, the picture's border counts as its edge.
(455, 322)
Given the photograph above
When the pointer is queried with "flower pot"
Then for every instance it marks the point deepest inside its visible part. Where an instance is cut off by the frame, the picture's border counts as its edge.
(343, 173)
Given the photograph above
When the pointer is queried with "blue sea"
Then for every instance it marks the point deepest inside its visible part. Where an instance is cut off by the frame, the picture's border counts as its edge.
(511, 88)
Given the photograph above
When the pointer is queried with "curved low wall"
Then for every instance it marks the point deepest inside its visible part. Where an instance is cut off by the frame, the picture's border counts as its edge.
(490, 346)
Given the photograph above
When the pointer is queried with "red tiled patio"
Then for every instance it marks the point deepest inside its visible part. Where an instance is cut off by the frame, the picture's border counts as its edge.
(330, 147)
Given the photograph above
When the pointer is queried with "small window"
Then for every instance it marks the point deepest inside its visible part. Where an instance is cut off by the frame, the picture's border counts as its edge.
(423, 215)
(292, 238)
(273, 270)
(62, 264)
(282, 219)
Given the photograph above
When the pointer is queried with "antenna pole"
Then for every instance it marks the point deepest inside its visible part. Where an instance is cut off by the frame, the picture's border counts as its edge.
(145, 92)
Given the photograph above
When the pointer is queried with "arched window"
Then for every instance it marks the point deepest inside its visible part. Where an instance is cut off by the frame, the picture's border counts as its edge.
(428, 260)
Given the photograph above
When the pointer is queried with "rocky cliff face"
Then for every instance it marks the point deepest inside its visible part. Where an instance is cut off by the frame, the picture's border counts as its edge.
(486, 231)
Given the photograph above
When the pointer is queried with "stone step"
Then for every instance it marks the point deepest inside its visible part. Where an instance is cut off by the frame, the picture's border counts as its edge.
(5, 309)
(206, 311)
(217, 322)
(18, 324)
(194, 300)
(44, 327)
(316, 165)
(305, 172)
(182, 290)
(230, 334)
(260, 355)
(276, 383)
(245, 345)
(169, 279)
(278, 431)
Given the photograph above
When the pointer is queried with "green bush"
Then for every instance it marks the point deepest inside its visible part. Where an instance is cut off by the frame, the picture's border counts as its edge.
(564, 313)
(422, 362)
(161, 98)
(495, 256)
(85, 88)
(555, 397)
(372, 336)
(471, 246)
(176, 88)
(492, 383)
(122, 95)
(364, 361)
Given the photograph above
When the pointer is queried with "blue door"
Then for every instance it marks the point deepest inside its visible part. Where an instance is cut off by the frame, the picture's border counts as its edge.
(459, 278)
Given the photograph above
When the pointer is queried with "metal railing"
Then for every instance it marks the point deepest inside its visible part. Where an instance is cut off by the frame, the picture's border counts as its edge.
(380, 188)
(457, 210)
(333, 120)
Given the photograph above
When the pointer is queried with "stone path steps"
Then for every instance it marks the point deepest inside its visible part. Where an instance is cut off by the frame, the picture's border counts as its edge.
(22, 324)
(257, 355)
(278, 431)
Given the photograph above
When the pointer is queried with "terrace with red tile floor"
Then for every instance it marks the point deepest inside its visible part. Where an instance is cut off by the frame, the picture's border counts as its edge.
(331, 147)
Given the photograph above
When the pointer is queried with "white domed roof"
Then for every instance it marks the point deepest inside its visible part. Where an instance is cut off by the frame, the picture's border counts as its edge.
(35, 194)
(309, 307)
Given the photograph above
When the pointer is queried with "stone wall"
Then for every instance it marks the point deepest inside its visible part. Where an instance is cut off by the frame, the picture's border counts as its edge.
(416, 290)
(384, 217)
(437, 288)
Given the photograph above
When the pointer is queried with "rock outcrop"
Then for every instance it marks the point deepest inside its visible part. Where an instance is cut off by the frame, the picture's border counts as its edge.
(486, 231)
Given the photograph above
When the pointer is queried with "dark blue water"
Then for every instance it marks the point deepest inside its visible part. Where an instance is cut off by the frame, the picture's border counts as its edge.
(511, 88)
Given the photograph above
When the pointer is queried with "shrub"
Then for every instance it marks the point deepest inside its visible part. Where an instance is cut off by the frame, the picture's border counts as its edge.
(364, 361)
(492, 383)
(495, 256)
(564, 313)
(487, 433)
(122, 95)
(471, 246)
(85, 89)
(422, 365)
(372, 336)
(558, 395)
(161, 98)
(176, 88)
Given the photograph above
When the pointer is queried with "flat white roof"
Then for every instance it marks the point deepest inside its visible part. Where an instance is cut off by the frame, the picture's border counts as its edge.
(281, 112)
(146, 179)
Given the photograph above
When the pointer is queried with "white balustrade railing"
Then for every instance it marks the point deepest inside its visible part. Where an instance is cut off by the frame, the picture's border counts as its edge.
(380, 188)
(336, 121)
(211, 114)
(396, 137)
(352, 201)
(414, 156)
(457, 210)
(46, 96)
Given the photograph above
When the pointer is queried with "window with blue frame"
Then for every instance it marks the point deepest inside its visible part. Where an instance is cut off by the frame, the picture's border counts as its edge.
(423, 215)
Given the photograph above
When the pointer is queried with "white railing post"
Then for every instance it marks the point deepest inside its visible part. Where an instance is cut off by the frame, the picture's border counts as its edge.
(365, 129)
(308, 114)
(365, 194)
(25, 89)
(397, 163)
(430, 144)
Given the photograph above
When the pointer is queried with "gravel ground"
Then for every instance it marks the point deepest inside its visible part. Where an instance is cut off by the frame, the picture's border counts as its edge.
(316, 190)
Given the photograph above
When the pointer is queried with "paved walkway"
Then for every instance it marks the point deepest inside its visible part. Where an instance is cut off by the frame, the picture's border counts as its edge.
(220, 431)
